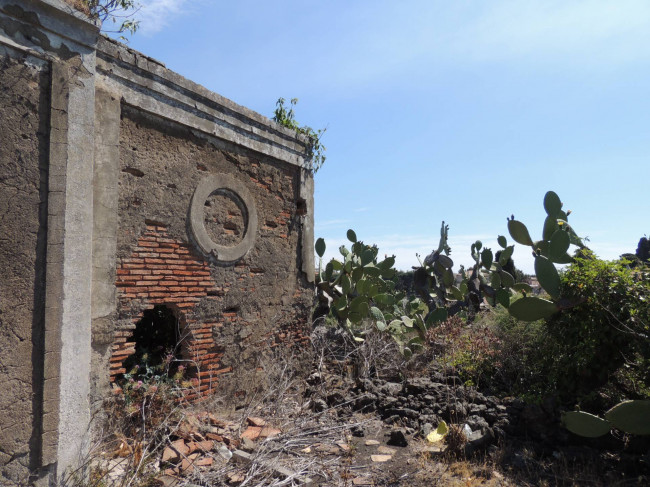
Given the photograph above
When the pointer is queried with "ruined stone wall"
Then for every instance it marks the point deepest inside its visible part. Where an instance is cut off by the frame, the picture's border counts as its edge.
(24, 113)
(233, 312)
(125, 187)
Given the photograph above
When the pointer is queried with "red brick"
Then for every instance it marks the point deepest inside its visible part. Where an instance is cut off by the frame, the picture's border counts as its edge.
(129, 278)
(145, 243)
(141, 272)
(168, 281)
(160, 289)
(201, 333)
(223, 371)
(164, 250)
(133, 266)
(121, 355)
(210, 356)
(147, 253)
(154, 261)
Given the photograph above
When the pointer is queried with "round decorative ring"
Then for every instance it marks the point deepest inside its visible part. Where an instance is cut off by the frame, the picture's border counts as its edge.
(231, 187)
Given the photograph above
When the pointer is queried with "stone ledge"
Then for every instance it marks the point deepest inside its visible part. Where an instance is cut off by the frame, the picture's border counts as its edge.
(141, 80)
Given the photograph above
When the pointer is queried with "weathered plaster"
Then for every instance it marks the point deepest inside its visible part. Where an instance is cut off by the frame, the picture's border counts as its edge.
(108, 147)
(24, 93)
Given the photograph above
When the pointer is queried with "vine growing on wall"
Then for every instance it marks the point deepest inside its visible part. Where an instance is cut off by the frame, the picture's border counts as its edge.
(285, 116)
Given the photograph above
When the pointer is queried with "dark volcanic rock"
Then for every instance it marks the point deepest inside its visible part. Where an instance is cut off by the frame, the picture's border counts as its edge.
(397, 438)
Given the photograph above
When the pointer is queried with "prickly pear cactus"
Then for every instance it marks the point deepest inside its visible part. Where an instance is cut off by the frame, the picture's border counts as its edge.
(358, 287)
(557, 237)
(629, 416)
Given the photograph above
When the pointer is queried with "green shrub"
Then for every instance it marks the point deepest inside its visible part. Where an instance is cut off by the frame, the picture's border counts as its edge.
(519, 360)
(604, 340)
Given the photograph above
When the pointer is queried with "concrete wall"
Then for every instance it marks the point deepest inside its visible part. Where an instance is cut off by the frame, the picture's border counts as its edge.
(124, 186)
(24, 111)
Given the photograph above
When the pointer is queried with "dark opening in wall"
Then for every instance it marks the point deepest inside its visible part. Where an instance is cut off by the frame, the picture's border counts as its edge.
(157, 336)
(301, 207)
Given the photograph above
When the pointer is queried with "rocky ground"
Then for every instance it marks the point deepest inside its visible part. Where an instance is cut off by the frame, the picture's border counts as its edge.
(338, 429)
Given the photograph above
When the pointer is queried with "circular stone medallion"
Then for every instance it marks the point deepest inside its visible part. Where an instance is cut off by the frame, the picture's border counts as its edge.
(226, 185)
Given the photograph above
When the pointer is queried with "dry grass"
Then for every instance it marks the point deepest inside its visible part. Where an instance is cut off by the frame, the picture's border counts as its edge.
(131, 440)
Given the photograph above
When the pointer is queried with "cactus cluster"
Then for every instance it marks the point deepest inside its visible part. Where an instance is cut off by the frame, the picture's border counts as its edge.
(491, 277)
(628, 416)
(359, 287)
(557, 237)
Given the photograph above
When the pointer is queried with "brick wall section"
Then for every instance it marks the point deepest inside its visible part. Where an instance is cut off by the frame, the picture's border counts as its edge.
(248, 312)
(162, 270)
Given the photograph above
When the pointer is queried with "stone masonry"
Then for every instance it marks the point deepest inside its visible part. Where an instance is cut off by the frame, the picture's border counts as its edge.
(126, 188)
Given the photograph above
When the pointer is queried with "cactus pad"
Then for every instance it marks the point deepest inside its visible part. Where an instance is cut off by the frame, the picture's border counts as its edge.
(585, 424)
(631, 416)
(519, 232)
(532, 308)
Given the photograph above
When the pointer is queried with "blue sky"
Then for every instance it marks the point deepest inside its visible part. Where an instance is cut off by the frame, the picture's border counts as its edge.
(463, 111)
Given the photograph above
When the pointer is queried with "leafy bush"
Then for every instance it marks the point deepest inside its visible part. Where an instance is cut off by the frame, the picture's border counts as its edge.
(149, 391)
(469, 349)
(606, 338)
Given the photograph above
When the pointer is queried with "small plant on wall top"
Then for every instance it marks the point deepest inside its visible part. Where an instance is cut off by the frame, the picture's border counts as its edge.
(285, 116)
(118, 12)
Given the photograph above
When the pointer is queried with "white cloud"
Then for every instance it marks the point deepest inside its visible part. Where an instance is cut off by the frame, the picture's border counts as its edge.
(600, 35)
(336, 223)
(155, 15)
(590, 31)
